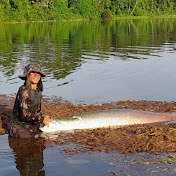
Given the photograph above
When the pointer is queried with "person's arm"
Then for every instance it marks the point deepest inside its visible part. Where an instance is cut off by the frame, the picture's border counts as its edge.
(24, 103)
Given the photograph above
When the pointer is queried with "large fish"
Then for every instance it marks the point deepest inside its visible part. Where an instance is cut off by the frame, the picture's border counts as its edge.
(106, 118)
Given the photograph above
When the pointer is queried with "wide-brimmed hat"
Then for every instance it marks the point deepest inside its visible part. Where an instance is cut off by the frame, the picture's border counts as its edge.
(32, 68)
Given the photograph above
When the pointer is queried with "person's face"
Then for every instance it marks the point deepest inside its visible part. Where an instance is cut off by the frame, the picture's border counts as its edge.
(34, 77)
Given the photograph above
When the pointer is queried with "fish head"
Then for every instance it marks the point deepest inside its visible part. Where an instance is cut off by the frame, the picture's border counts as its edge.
(56, 126)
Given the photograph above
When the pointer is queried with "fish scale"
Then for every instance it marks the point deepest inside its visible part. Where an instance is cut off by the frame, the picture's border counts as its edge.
(107, 118)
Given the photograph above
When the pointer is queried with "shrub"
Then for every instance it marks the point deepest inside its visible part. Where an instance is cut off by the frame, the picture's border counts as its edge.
(106, 15)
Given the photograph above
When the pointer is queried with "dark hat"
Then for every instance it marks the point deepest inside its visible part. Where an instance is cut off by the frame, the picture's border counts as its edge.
(32, 68)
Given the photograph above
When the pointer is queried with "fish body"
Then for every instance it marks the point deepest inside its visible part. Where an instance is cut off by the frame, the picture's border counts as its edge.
(106, 118)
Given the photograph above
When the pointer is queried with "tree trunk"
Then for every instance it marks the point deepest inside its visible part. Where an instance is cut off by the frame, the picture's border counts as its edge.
(134, 7)
(129, 4)
(152, 6)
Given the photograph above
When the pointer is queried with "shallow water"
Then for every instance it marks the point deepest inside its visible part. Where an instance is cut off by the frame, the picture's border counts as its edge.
(88, 62)
(31, 157)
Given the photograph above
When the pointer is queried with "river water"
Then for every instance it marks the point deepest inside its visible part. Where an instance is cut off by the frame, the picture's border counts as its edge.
(87, 62)
(93, 62)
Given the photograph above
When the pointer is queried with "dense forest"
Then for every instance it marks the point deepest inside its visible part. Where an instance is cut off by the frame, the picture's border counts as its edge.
(44, 10)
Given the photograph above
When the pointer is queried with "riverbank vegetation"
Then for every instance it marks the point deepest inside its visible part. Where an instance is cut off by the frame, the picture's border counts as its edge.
(45, 10)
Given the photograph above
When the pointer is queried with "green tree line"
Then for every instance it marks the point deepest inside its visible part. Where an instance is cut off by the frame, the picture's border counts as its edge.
(44, 10)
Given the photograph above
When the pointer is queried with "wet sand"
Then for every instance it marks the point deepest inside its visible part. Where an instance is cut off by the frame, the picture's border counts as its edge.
(132, 139)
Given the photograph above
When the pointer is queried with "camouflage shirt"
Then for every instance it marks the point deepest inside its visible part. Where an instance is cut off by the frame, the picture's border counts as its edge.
(27, 105)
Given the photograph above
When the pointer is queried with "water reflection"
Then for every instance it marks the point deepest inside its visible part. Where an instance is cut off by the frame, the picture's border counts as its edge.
(62, 47)
(75, 53)
(28, 155)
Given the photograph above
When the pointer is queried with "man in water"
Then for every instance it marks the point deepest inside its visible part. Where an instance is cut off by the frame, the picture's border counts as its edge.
(27, 116)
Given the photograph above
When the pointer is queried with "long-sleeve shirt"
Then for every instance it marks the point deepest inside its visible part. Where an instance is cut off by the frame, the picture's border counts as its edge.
(27, 105)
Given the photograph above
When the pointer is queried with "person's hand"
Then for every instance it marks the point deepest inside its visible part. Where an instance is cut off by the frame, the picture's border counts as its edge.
(47, 120)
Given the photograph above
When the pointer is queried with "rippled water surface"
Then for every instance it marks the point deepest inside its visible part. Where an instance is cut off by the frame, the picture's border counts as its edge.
(30, 157)
(93, 62)
(89, 62)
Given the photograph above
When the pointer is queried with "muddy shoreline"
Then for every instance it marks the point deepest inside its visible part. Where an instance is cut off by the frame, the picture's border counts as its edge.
(142, 138)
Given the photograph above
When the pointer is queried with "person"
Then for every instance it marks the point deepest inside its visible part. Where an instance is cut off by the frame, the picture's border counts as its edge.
(28, 154)
(27, 116)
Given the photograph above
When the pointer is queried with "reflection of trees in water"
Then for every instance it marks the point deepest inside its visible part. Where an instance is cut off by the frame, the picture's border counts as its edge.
(28, 155)
(61, 47)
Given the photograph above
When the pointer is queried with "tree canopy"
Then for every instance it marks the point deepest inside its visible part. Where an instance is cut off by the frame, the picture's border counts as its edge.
(44, 10)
